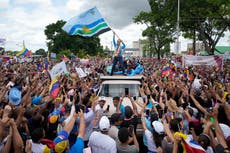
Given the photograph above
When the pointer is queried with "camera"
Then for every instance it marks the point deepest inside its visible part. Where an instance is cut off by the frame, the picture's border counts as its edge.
(79, 107)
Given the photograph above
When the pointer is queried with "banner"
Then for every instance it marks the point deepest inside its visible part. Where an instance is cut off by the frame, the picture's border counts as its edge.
(216, 60)
(84, 61)
(58, 69)
(80, 72)
(53, 55)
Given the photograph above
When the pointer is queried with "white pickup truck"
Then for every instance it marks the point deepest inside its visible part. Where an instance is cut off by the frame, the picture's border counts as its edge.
(113, 86)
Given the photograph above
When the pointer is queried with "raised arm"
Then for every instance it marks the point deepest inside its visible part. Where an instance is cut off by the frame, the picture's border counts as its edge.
(143, 116)
(17, 139)
(68, 127)
(227, 110)
(134, 105)
(119, 104)
(8, 144)
(81, 132)
(198, 104)
(219, 133)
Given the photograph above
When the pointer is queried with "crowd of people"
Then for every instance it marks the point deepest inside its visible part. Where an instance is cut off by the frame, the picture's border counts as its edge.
(177, 108)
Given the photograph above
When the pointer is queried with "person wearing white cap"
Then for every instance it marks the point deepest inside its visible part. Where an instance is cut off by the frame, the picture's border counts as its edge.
(101, 142)
(153, 138)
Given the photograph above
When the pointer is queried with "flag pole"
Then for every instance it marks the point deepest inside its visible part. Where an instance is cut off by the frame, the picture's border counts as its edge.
(117, 35)
(23, 43)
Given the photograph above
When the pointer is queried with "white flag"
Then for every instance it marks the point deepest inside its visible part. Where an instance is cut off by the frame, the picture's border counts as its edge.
(58, 69)
(80, 72)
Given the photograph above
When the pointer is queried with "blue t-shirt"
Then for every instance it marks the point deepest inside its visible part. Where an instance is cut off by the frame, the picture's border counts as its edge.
(150, 105)
(131, 72)
(139, 69)
(78, 147)
(121, 47)
(122, 109)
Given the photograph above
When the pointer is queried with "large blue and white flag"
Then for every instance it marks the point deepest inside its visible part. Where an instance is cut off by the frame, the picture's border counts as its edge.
(87, 24)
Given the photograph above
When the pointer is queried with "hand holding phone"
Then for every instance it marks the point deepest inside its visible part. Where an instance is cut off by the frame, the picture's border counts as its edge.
(71, 98)
(148, 96)
(131, 130)
(126, 91)
(107, 109)
(134, 98)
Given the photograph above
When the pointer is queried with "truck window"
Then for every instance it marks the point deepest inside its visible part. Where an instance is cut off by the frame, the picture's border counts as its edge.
(112, 90)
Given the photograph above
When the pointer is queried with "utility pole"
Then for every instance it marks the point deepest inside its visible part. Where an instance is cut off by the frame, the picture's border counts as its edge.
(178, 28)
(23, 43)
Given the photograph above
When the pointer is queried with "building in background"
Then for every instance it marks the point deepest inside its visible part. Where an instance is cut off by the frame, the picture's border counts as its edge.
(198, 48)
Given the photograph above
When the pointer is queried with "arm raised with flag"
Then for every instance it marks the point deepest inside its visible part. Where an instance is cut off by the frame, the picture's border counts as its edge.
(119, 46)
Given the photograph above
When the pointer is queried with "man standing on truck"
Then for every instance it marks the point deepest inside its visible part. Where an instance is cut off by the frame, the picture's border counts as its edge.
(118, 53)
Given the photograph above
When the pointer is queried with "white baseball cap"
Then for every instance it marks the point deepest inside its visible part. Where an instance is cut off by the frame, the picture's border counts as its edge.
(158, 127)
(104, 124)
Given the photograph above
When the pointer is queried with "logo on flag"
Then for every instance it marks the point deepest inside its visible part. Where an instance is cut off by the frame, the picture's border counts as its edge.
(58, 69)
(87, 24)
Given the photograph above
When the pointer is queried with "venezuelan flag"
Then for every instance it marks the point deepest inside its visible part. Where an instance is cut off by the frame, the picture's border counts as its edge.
(24, 52)
(6, 59)
(189, 146)
(54, 88)
(166, 71)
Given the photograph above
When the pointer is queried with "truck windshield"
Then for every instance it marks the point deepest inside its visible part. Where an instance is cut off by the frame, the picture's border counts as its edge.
(112, 90)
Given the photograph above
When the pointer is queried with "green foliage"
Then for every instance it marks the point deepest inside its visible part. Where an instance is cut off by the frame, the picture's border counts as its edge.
(65, 52)
(82, 53)
(205, 20)
(41, 52)
(161, 24)
(59, 41)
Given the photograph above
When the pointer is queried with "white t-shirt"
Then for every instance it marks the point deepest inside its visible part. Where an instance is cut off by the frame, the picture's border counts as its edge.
(37, 147)
(209, 150)
(101, 143)
(150, 142)
(88, 124)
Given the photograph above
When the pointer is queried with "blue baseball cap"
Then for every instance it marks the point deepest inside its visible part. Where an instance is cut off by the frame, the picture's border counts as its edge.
(15, 96)
(36, 100)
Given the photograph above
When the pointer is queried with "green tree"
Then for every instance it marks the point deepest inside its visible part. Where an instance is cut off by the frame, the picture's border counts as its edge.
(205, 20)
(40, 52)
(161, 24)
(58, 40)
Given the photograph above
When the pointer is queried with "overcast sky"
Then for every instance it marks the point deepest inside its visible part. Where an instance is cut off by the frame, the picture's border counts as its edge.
(26, 19)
